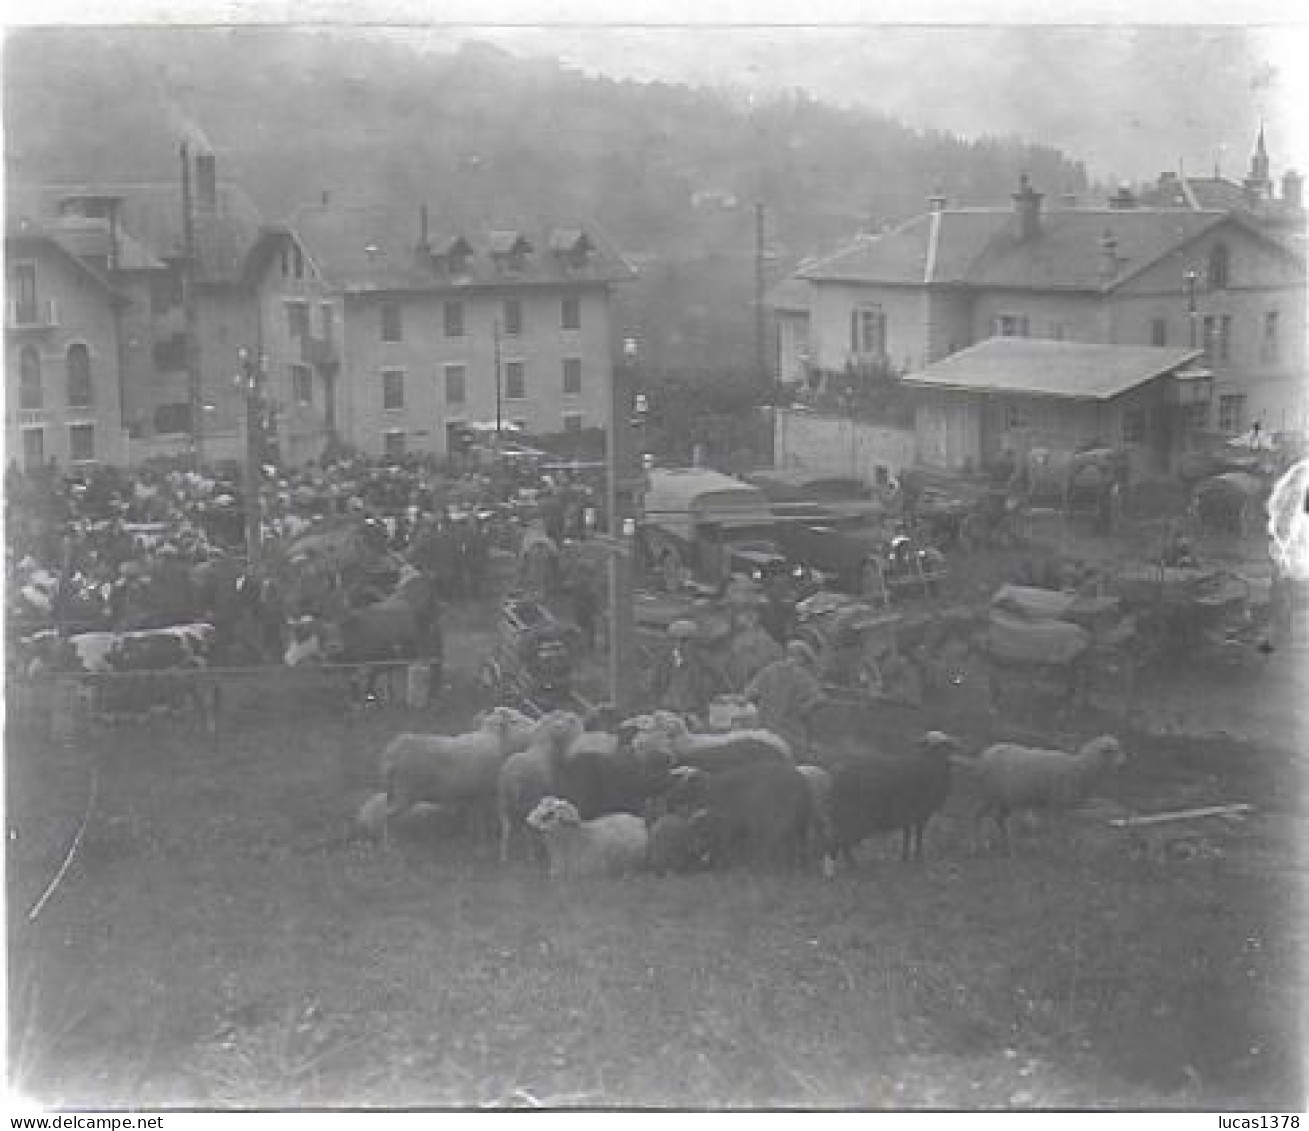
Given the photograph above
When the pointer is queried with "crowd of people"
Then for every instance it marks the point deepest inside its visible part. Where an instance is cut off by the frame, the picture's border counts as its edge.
(107, 547)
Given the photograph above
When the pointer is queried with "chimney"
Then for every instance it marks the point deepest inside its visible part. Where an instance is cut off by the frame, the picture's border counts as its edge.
(1108, 256)
(206, 182)
(1027, 207)
(1292, 189)
(1123, 199)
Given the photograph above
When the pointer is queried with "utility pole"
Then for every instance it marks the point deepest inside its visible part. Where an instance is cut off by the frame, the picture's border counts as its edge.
(250, 382)
(499, 395)
(191, 311)
(760, 321)
(623, 484)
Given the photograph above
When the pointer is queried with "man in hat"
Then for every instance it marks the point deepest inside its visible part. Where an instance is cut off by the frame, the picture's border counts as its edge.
(684, 680)
(786, 693)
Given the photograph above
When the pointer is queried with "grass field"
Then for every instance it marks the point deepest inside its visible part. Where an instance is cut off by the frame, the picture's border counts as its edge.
(220, 942)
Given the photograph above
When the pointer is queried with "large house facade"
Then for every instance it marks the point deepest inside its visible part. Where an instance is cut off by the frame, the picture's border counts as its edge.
(1216, 280)
(397, 341)
(63, 387)
(368, 331)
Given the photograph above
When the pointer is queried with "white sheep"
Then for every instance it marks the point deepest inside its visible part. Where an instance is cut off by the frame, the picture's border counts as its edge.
(455, 769)
(668, 731)
(521, 727)
(529, 775)
(1014, 778)
(614, 845)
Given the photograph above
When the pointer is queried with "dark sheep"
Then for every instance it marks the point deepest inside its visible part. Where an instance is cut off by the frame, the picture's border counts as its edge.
(884, 794)
(758, 813)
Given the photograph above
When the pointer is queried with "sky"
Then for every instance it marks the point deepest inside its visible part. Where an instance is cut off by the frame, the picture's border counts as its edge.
(1131, 100)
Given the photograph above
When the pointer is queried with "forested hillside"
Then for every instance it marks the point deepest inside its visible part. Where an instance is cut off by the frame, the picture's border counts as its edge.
(671, 173)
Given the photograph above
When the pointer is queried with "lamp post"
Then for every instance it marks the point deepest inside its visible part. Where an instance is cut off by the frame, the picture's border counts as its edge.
(499, 395)
(250, 383)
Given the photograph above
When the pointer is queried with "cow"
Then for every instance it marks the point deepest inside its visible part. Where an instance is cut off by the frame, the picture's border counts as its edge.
(405, 625)
(133, 675)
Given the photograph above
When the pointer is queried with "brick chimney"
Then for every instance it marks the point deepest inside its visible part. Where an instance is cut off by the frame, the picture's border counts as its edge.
(1027, 207)
(1292, 189)
(936, 202)
(1108, 256)
(206, 182)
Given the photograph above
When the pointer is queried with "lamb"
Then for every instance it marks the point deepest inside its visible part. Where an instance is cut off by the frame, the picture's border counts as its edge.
(458, 769)
(883, 794)
(615, 845)
(530, 775)
(1014, 778)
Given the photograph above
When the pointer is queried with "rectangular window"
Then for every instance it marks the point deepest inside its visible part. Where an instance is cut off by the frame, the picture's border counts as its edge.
(572, 313)
(1217, 337)
(1270, 349)
(328, 316)
(81, 442)
(302, 384)
(1231, 413)
(297, 319)
(1159, 332)
(393, 389)
(33, 448)
(455, 384)
(393, 444)
(1134, 420)
(515, 381)
(572, 422)
(513, 317)
(1196, 416)
(572, 376)
(454, 319)
(22, 286)
(868, 331)
(392, 326)
(1010, 326)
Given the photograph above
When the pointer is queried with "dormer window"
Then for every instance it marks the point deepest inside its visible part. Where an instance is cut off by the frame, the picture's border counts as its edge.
(509, 250)
(572, 246)
(454, 255)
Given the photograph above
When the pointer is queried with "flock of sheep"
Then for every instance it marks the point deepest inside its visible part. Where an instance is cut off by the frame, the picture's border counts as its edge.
(651, 795)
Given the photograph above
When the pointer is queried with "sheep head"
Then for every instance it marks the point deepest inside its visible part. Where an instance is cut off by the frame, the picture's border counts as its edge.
(560, 729)
(553, 813)
(1105, 751)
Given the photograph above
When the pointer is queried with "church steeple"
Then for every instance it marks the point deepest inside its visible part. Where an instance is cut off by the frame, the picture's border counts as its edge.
(1258, 184)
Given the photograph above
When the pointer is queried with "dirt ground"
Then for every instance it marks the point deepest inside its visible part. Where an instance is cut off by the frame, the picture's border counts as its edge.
(221, 939)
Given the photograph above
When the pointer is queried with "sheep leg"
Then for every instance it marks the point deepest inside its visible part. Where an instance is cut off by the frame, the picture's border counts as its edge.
(506, 830)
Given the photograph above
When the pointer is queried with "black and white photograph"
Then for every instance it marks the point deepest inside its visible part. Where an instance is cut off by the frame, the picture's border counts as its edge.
(656, 557)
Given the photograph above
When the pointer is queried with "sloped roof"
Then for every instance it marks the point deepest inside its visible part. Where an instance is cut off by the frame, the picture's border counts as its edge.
(981, 247)
(1066, 251)
(1037, 367)
(368, 249)
(151, 217)
(22, 228)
